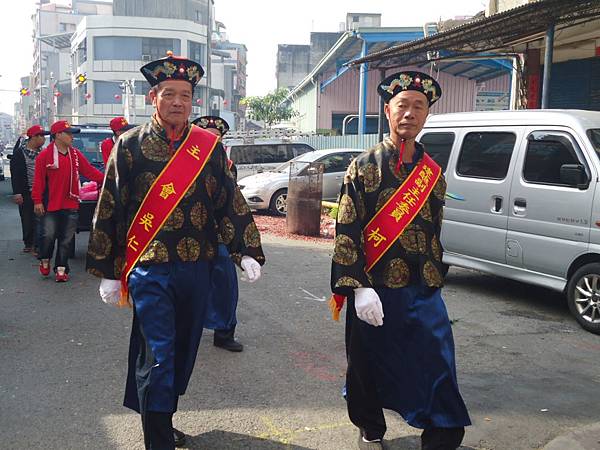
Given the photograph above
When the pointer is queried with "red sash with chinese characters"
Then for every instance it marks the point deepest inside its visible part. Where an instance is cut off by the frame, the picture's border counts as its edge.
(164, 195)
(394, 216)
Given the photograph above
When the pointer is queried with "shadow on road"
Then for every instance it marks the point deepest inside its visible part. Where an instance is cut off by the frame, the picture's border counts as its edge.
(234, 441)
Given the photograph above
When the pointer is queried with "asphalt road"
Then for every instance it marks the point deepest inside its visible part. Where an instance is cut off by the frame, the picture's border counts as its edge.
(527, 371)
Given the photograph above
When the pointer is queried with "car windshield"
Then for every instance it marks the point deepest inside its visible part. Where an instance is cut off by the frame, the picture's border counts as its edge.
(594, 135)
(89, 144)
(299, 163)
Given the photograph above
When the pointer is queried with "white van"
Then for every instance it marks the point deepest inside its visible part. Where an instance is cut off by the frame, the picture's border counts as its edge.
(523, 199)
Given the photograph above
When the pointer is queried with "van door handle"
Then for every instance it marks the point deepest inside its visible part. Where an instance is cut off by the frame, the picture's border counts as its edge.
(520, 206)
(497, 204)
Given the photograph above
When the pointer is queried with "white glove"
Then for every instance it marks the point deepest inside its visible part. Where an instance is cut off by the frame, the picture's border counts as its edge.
(110, 291)
(368, 306)
(251, 267)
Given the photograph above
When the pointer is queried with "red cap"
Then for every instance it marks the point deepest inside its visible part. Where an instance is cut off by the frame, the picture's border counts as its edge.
(36, 130)
(63, 126)
(118, 123)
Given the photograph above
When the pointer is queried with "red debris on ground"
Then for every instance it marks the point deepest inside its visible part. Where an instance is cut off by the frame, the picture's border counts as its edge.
(275, 225)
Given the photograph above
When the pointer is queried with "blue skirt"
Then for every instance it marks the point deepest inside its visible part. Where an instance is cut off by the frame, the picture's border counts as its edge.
(169, 307)
(411, 358)
(224, 293)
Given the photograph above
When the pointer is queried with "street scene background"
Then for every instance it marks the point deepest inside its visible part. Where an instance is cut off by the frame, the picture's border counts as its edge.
(527, 371)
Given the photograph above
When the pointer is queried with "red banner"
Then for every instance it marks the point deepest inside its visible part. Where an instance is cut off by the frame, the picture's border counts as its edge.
(399, 211)
(164, 195)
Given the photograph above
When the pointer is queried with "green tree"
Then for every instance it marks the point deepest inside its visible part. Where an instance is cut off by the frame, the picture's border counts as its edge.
(272, 108)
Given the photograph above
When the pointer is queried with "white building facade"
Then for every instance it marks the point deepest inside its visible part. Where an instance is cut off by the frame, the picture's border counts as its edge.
(110, 50)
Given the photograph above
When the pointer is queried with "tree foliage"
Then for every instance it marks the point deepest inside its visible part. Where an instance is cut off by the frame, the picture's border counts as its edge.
(270, 108)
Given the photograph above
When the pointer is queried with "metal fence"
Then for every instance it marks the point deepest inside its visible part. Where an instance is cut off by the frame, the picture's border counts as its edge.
(363, 142)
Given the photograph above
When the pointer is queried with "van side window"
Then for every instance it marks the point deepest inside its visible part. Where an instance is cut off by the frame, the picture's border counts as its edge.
(438, 146)
(546, 153)
(486, 155)
(272, 154)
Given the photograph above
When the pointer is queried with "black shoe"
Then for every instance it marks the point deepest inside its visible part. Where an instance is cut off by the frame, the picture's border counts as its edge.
(179, 437)
(225, 340)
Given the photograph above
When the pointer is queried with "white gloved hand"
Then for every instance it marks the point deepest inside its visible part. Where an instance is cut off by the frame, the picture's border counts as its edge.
(368, 306)
(251, 267)
(110, 291)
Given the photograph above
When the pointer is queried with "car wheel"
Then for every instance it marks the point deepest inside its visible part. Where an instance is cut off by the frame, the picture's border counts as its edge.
(583, 297)
(445, 269)
(278, 205)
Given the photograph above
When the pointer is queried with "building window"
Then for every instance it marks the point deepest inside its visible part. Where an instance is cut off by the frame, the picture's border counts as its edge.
(107, 92)
(157, 48)
(81, 93)
(486, 155)
(62, 27)
(118, 48)
(82, 52)
(196, 51)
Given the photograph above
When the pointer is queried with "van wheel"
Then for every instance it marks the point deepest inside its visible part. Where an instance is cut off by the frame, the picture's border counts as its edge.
(445, 269)
(278, 205)
(583, 296)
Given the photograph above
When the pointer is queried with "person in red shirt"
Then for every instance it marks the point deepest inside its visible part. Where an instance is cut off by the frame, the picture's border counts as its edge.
(57, 170)
(118, 125)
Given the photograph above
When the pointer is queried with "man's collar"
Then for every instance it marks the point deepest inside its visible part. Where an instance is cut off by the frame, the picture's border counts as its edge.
(160, 131)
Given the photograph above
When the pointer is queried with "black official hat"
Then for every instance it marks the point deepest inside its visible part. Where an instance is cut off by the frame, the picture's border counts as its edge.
(172, 68)
(410, 81)
(212, 122)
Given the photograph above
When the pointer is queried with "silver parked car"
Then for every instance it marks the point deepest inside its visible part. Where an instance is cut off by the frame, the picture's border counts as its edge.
(523, 198)
(268, 190)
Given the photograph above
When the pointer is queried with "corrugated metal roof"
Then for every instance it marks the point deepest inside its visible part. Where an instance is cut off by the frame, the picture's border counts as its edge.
(497, 32)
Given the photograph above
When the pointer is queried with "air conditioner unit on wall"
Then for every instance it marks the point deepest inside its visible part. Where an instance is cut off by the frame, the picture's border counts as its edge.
(146, 58)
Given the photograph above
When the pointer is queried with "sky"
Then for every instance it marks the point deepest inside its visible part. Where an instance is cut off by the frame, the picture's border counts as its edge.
(259, 24)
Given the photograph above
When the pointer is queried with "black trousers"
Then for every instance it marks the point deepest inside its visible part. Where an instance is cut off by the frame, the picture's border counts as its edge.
(28, 220)
(364, 408)
(158, 430)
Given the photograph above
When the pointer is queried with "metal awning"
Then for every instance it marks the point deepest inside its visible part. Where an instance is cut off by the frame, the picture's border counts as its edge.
(501, 32)
(58, 41)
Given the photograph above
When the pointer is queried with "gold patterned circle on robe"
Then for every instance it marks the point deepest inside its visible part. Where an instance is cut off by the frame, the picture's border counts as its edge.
(126, 155)
(344, 252)
(106, 205)
(251, 236)
(240, 207)
(198, 215)
(347, 211)
(143, 182)
(191, 190)
(439, 190)
(209, 250)
(110, 173)
(347, 282)
(175, 220)
(119, 266)
(188, 249)
(431, 275)
(396, 274)
(425, 211)
(371, 177)
(211, 185)
(155, 149)
(96, 273)
(436, 249)
(227, 231)
(351, 173)
(384, 196)
(100, 245)
(155, 253)
(413, 241)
